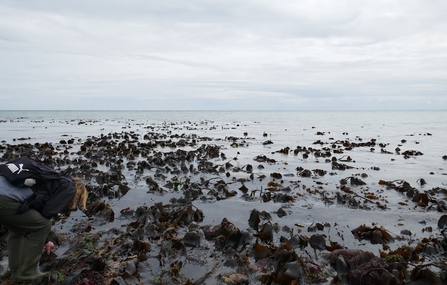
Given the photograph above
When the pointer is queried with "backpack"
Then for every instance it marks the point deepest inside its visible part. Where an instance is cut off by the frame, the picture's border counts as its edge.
(18, 170)
(52, 190)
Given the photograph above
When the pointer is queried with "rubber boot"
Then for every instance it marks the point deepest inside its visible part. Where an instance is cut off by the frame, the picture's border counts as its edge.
(29, 268)
(15, 252)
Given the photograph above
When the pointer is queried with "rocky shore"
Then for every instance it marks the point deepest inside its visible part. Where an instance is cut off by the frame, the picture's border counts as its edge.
(184, 209)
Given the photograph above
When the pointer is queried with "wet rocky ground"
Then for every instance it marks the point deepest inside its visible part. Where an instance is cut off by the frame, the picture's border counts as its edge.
(169, 208)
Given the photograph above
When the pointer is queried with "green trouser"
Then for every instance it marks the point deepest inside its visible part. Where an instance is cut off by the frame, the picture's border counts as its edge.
(26, 239)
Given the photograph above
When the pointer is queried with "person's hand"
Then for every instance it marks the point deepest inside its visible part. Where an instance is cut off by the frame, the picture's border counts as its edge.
(49, 247)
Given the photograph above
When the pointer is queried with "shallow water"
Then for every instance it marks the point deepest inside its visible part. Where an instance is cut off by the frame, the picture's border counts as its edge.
(423, 131)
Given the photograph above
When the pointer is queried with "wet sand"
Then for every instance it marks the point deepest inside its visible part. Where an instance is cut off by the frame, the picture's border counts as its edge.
(192, 209)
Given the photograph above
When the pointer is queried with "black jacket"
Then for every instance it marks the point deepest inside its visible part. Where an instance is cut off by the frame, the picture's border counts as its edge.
(52, 191)
(51, 197)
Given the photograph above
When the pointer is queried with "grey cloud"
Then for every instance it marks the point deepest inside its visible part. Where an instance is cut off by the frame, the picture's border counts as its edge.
(218, 52)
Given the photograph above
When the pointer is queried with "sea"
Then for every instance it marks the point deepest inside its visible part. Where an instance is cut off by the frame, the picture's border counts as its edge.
(420, 133)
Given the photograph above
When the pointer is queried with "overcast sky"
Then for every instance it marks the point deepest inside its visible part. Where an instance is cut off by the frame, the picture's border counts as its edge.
(223, 55)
